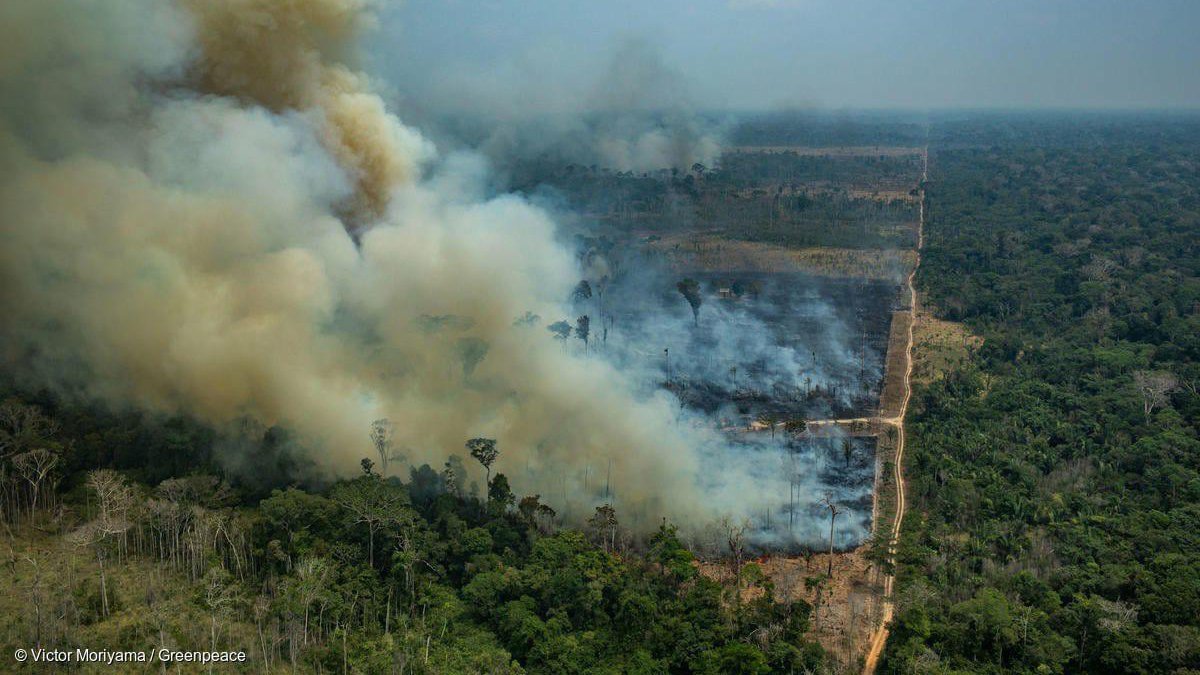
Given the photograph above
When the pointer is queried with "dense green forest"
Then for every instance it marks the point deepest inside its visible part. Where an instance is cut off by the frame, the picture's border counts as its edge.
(1054, 480)
(160, 548)
(824, 129)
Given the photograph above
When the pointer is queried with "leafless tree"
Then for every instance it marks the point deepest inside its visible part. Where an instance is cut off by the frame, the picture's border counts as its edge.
(1116, 615)
(220, 596)
(1100, 268)
(1156, 388)
(35, 467)
(114, 499)
(834, 510)
(262, 608)
(23, 427)
(735, 541)
(382, 432)
(36, 588)
(790, 464)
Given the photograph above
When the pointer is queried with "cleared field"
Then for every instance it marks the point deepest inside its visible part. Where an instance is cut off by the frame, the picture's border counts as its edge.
(711, 252)
(798, 346)
(891, 398)
(833, 151)
(939, 346)
(844, 605)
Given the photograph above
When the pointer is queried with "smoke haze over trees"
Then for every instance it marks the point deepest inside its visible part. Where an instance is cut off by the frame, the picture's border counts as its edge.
(202, 216)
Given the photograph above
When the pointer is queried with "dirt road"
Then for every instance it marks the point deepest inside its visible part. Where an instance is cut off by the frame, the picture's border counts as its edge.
(880, 637)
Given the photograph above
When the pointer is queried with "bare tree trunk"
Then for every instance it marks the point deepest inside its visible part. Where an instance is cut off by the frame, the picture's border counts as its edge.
(371, 545)
(832, 516)
(103, 581)
(262, 641)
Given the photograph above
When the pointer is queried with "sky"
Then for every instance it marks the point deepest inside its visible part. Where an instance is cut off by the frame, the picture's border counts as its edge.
(771, 54)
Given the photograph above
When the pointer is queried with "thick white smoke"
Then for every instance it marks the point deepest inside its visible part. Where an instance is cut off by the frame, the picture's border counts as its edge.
(177, 184)
(628, 111)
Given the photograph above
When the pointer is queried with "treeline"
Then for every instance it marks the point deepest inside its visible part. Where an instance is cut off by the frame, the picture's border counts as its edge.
(823, 129)
(1054, 480)
(780, 198)
(373, 574)
(863, 172)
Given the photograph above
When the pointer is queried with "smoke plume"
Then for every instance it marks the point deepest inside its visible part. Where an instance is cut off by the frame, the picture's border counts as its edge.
(178, 184)
(627, 111)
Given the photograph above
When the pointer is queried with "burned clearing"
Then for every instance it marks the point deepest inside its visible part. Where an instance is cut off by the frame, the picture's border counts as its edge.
(760, 346)
(763, 355)
(754, 346)
(836, 469)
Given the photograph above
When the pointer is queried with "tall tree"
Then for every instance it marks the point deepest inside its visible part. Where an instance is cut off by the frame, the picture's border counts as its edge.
(583, 329)
(834, 510)
(604, 525)
(381, 437)
(690, 290)
(582, 291)
(372, 502)
(484, 451)
(23, 427)
(114, 499)
(561, 330)
(35, 467)
(500, 495)
(735, 540)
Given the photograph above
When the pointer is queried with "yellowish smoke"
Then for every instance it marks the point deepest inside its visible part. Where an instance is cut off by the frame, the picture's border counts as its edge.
(175, 182)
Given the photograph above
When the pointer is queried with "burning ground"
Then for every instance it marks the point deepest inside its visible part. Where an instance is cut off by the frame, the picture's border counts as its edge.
(752, 357)
(206, 210)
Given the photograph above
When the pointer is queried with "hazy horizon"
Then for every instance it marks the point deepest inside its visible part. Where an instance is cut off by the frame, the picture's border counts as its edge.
(819, 55)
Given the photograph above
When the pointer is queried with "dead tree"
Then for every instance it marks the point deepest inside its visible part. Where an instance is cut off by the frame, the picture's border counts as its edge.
(381, 436)
(114, 499)
(219, 597)
(36, 588)
(735, 540)
(35, 467)
(791, 467)
(834, 510)
(1156, 388)
(23, 427)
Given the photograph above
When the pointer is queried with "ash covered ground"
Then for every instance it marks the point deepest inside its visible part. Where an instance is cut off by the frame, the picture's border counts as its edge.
(762, 354)
(791, 345)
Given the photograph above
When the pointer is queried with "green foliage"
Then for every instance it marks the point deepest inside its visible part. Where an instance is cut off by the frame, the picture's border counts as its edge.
(1053, 520)
(375, 575)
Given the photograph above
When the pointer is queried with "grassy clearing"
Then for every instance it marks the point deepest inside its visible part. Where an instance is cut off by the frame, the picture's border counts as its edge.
(940, 347)
(710, 252)
(834, 151)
